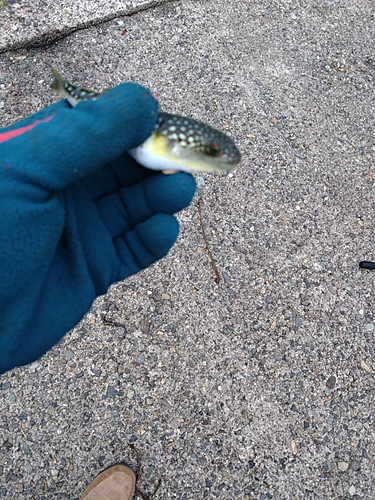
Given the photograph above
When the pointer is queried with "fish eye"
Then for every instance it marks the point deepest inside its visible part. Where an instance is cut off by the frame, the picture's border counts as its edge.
(212, 149)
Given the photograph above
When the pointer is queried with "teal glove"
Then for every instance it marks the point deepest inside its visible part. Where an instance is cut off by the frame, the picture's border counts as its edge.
(77, 213)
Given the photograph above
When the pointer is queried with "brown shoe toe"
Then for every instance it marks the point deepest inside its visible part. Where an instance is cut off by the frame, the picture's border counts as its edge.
(115, 483)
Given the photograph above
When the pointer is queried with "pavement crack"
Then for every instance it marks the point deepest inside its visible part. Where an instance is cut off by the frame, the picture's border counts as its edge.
(46, 39)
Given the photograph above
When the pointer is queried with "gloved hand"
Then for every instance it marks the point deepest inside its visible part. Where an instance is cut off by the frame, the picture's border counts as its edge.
(77, 214)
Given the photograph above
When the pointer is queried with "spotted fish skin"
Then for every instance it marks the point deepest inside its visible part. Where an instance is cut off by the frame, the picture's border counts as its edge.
(199, 139)
(73, 94)
(177, 142)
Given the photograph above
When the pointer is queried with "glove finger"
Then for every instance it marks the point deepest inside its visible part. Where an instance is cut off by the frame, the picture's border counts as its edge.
(145, 244)
(124, 171)
(159, 193)
(75, 141)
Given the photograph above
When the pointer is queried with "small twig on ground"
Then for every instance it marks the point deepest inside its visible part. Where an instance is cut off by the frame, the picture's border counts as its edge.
(111, 323)
(217, 277)
(137, 457)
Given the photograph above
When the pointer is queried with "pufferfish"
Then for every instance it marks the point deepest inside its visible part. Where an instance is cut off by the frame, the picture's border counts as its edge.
(177, 142)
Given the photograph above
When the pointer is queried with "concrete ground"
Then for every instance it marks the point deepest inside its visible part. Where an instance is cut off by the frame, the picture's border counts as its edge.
(26, 22)
(260, 386)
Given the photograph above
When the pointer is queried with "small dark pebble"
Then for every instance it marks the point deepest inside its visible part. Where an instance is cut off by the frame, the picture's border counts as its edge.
(251, 464)
(144, 325)
(111, 392)
(306, 425)
(133, 438)
(8, 477)
(141, 359)
(307, 282)
(226, 277)
(298, 321)
(239, 249)
(26, 448)
(208, 483)
(326, 466)
(6, 385)
(355, 464)
(331, 382)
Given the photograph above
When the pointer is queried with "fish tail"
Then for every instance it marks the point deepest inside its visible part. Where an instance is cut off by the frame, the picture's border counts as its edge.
(58, 83)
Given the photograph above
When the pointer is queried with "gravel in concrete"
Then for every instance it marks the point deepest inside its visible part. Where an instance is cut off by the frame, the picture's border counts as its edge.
(261, 386)
(26, 21)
